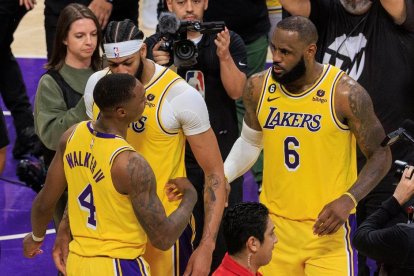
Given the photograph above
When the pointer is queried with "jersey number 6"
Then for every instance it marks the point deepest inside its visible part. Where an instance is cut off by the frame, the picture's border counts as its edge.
(292, 158)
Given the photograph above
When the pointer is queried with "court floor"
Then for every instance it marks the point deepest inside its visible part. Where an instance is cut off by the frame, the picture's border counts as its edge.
(16, 200)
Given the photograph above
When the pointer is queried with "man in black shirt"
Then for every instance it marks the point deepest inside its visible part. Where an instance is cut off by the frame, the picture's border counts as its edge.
(219, 75)
(394, 245)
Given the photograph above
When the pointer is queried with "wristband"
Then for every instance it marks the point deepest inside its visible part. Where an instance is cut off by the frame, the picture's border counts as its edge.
(37, 239)
(352, 198)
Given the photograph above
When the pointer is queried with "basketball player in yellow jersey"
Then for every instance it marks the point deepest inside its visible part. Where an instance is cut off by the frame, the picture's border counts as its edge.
(112, 201)
(174, 112)
(307, 116)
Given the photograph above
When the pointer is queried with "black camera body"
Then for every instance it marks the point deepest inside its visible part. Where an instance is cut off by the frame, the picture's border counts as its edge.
(32, 172)
(173, 32)
(400, 167)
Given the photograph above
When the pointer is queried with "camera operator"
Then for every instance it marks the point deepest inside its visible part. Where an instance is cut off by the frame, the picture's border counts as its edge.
(391, 245)
(219, 75)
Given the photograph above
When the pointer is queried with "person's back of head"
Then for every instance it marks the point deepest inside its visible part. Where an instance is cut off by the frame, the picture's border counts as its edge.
(70, 14)
(114, 90)
(242, 221)
(249, 234)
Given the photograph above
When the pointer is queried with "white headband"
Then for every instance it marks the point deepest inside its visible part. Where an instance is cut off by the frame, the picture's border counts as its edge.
(122, 49)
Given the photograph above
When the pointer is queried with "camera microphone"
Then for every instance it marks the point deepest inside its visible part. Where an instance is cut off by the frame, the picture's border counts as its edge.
(404, 131)
(168, 23)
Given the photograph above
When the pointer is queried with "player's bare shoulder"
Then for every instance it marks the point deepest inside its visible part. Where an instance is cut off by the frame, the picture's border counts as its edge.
(351, 99)
(251, 93)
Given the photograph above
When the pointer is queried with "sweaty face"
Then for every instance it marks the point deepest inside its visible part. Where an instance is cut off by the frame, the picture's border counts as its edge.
(288, 56)
(135, 107)
(127, 65)
(81, 40)
(192, 10)
(289, 76)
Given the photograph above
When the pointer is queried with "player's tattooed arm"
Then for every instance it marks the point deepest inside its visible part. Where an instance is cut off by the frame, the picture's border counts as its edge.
(207, 153)
(356, 110)
(141, 187)
(211, 185)
(251, 96)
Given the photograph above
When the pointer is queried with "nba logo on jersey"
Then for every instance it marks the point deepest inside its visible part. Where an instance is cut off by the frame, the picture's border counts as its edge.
(116, 52)
(195, 78)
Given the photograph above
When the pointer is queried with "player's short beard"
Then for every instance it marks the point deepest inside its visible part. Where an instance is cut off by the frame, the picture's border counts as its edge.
(297, 71)
(140, 69)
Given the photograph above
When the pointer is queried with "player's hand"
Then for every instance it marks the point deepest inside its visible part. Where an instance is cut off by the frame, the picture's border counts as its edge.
(333, 216)
(222, 42)
(405, 188)
(61, 246)
(29, 4)
(31, 248)
(172, 192)
(160, 57)
(102, 10)
(182, 185)
(200, 261)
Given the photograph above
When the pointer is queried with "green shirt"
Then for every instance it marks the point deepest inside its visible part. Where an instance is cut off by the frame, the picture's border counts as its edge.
(52, 118)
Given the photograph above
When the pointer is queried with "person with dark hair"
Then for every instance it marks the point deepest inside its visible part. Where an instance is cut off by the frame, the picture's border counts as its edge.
(59, 98)
(104, 10)
(392, 245)
(219, 75)
(4, 141)
(113, 206)
(250, 237)
(12, 87)
(307, 117)
(361, 36)
(175, 112)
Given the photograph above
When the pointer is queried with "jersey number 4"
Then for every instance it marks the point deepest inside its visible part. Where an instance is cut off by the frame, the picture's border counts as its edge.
(85, 200)
(292, 158)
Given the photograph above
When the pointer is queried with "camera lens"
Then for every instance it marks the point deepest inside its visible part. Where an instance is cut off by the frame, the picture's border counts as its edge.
(185, 49)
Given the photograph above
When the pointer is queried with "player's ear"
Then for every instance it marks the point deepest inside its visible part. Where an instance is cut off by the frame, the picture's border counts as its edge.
(143, 50)
(311, 50)
(252, 244)
(120, 112)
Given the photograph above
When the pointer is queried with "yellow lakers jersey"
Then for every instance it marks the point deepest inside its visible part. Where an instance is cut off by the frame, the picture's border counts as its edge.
(103, 222)
(163, 148)
(309, 155)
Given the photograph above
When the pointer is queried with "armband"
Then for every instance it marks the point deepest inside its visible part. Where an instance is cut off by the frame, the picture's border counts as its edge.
(352, 198)
(37, 239)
